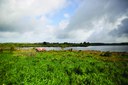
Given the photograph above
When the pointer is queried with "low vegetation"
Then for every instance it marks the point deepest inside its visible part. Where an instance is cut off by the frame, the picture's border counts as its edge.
(28, 67)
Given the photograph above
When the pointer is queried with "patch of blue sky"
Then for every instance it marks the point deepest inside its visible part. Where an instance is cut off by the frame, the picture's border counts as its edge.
(59, 15)
(70, 10)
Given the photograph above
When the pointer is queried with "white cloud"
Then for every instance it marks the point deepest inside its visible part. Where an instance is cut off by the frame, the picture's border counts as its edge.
(66, 15)
(28, 18)
(13, 10)
(63, 24)
(96, 19)
(8, 34)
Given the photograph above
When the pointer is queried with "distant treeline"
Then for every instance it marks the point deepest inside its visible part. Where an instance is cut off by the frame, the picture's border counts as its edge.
(95, 44)
(44, 44)
(65, 44)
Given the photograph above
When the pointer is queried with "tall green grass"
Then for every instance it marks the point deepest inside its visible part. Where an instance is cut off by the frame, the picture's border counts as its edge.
(60, 68)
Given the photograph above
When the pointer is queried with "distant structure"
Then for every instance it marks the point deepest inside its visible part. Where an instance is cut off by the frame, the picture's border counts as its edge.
(40, 49)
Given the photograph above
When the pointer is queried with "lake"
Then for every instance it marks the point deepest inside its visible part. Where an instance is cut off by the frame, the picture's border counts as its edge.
(117, 48)
(102, 48)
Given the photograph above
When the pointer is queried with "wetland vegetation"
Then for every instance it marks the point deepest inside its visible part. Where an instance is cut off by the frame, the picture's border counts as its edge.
(64, 67)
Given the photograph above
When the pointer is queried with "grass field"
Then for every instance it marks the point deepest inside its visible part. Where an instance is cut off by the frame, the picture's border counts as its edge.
(63, 68)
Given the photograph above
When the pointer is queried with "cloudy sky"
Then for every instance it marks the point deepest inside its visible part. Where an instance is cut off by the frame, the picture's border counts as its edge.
(63, 20)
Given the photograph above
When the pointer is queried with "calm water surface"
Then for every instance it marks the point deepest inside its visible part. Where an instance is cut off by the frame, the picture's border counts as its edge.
(102, 48)
(99, 48)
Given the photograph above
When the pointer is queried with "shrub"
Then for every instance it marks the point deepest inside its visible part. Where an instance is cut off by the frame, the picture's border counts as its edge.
(106, 54)
(12, 48)
(1, 50)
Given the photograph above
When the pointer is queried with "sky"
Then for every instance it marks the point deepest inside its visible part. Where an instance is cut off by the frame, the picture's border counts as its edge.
(64, 21)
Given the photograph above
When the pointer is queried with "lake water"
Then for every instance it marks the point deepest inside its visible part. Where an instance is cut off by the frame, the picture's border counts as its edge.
(123, 48)
(102, 48)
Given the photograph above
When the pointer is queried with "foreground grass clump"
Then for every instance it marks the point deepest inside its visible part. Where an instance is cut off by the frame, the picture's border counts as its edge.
(62, 68)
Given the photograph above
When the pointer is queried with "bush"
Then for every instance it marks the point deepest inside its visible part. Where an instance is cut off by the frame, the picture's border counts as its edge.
(106, 54)
(1, 50)
(12, 48)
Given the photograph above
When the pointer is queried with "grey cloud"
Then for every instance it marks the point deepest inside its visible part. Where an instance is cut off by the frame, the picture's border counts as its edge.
(5, 28)
(2, 2)
(19, 27)
(121, 30)
(91, 11)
